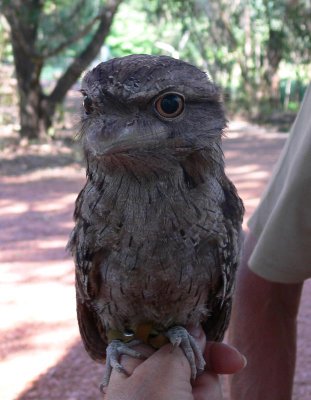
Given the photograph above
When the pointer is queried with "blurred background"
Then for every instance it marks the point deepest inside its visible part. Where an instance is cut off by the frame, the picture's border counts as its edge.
(258, 51)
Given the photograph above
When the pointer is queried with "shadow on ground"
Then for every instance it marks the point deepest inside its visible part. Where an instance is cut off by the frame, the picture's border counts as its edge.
(75, 367)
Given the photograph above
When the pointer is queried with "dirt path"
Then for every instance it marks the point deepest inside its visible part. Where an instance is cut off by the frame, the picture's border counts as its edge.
(40, 350)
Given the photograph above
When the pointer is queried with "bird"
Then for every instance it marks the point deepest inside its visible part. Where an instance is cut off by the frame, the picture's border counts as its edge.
(157, 234)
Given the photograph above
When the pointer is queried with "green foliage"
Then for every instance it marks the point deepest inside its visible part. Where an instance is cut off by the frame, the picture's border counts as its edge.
(147, 27)
(131, 33)
(60, 21)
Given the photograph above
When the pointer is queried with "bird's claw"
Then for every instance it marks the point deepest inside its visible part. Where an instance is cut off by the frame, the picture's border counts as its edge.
(180, 337)
(114, 351)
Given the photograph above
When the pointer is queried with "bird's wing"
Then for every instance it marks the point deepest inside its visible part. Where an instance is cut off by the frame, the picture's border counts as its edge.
(82, 246)
(217, 323)
(220, 301)
(90, 327)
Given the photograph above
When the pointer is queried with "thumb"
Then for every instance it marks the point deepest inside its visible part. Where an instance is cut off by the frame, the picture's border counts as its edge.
(220, 358)
(223, 359)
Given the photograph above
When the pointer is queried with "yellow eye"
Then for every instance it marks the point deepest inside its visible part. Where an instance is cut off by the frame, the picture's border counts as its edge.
(170, 105)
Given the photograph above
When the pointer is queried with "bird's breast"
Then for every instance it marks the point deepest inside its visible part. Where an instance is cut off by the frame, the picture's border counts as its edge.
(153, 249)
(153, 266)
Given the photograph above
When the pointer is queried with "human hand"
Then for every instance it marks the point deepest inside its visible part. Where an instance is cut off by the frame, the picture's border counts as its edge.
(165, 374)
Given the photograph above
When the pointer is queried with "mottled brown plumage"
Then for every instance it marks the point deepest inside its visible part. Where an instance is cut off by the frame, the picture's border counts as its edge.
(158, 222)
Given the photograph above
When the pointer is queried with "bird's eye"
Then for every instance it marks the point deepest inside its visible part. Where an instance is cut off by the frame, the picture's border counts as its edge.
(170, 105)
(88, 104)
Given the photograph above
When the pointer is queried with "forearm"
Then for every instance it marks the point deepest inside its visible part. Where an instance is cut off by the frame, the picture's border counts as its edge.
(263, 327)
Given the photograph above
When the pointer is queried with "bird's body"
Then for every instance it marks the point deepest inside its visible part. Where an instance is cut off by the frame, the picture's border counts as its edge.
(158, 222)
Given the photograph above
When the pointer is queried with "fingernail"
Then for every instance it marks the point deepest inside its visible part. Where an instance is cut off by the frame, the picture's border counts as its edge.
(244, 360)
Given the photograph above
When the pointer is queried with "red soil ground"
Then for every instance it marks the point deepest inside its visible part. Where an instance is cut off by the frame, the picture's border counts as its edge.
(40, 350)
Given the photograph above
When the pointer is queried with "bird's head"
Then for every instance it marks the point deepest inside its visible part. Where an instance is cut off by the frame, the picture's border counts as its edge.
(147, 112)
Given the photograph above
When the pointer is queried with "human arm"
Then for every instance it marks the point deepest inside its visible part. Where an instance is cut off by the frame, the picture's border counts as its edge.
(165, 374)
(263, 327)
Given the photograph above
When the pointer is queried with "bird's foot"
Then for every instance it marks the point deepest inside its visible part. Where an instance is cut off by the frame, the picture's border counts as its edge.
(114, 351)
(179, 336)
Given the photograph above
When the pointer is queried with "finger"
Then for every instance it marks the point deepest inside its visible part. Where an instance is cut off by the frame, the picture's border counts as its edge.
(167, 355)
(207, 387)
(166, 368)
(130, 363)
(223, 359)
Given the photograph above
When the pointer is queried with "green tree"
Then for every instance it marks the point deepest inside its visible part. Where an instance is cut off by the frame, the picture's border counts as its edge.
(43, 29)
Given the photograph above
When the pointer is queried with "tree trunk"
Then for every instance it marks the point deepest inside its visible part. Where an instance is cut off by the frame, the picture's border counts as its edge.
(30, 92)
(23, 18)
(29, 114)
(36, 108)
(274, 56)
